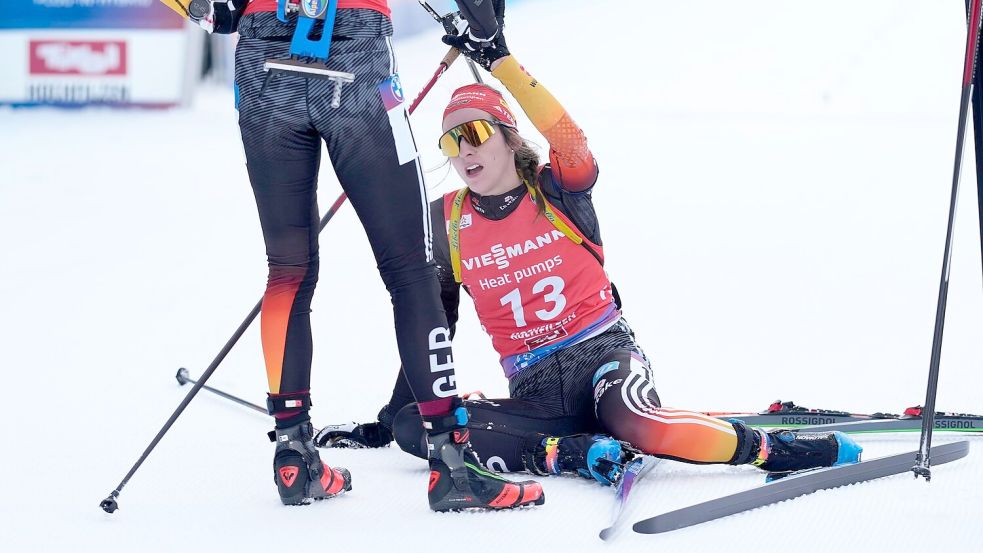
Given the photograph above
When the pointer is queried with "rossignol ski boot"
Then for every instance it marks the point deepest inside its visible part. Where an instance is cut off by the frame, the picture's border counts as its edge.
(298, 471)
(783, 452)
(457, 479)
(590, 455)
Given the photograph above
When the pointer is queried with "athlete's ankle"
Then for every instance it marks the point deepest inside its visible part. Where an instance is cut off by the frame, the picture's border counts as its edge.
(289, 408)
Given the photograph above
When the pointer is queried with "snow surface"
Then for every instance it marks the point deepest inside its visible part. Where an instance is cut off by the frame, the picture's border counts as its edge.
(774, 187)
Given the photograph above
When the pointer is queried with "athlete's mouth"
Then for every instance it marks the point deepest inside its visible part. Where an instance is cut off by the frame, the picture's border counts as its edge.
(473, 170)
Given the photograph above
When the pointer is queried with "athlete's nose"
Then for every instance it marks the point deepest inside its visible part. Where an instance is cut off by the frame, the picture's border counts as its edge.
(466, 148)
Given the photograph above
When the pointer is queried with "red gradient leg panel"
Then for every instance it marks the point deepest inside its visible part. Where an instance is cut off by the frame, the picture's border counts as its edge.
(278, 304)
(629, 408)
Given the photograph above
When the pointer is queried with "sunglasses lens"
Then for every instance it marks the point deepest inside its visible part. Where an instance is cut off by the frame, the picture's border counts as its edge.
(449, 145)
(475, 133)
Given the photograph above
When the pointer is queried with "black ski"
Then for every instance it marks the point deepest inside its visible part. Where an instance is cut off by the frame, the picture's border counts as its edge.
(795, 486)
(789, 415)
(914, 424)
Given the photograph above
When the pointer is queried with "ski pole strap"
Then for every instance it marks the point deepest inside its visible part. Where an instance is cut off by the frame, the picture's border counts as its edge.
(454, 229)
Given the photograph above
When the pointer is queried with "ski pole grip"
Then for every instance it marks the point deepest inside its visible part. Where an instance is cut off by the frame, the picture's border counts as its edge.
(451, 56)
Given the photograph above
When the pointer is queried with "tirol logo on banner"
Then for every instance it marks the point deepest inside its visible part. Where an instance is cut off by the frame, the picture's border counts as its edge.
(78, 57)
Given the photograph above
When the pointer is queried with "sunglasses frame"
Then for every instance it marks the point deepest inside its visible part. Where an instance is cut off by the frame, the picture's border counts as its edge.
(492, 124)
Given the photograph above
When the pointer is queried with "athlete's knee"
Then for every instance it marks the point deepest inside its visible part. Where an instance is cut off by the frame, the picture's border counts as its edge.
(286, 275)
(401, 276)
(296, 281)
(408, 431)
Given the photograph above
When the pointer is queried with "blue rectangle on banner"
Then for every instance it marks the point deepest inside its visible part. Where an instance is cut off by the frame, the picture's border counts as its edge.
(88, 14)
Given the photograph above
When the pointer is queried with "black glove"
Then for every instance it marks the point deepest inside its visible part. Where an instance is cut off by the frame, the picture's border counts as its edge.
(354, 435)
(484, 17)
(483, 41)
(358, 436)
(482, 53)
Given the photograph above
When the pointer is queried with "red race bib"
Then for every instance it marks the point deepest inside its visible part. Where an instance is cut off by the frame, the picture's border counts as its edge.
(534, 289)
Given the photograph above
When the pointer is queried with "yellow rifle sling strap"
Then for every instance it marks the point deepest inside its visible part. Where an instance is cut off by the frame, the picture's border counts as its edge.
(454, 233)
(552, 218)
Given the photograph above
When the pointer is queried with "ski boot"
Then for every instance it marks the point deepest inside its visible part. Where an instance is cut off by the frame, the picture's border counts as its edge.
(589, 455)
(783, 452)
(298, 471)
(457, 480)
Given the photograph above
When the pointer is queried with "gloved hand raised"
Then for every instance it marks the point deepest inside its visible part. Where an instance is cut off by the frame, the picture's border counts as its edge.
(484, 17)
(483, 41)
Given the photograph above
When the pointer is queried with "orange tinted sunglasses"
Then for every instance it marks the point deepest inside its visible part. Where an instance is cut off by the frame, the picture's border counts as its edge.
(475, 132)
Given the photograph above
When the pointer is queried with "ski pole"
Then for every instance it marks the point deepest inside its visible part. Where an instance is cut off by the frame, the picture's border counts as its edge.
(922, 461)
(183, 377)
(110, 504)
(445, 63)
(978, 135)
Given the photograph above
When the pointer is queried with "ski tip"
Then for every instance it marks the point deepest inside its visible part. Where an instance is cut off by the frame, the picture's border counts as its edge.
(606, 533)
(648, 526)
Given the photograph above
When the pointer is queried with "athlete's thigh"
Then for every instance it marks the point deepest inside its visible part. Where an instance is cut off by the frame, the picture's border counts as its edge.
(282, 152)
(373, 153)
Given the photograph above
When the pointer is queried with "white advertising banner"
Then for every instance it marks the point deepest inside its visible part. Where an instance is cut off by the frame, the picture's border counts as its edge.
(81, 52)
(143, 67)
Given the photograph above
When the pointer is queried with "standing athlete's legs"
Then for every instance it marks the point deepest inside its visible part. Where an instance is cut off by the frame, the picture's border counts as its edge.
(282, 157)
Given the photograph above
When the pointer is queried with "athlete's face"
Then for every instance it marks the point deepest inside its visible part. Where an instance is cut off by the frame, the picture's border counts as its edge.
(487, 169)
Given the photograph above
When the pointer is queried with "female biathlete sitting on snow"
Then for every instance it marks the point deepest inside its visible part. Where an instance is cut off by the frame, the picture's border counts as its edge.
(523, 241)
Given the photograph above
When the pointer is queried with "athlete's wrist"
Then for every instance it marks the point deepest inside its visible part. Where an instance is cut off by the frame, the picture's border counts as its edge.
(495, 64)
